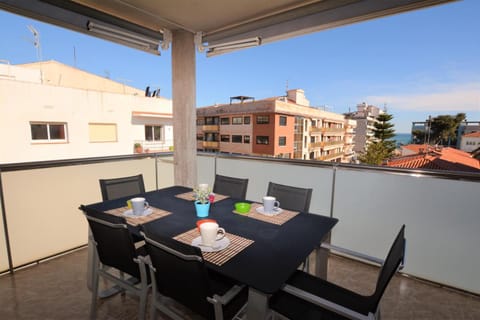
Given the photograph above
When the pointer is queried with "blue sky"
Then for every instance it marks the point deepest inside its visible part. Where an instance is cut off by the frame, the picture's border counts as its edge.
(417, 64)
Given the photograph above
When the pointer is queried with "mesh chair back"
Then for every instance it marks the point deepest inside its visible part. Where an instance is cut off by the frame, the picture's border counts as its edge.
(230, 186)
(394, 258)
(115, 246)
(180, 272)
(291, 198)
(121, 187)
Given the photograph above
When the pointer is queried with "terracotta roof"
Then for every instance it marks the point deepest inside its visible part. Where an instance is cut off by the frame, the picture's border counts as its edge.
(438, 159)
(472, 135)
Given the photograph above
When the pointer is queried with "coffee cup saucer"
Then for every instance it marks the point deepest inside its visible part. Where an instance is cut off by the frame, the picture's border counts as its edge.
(218, 246)
(261, 210)
(129, 213)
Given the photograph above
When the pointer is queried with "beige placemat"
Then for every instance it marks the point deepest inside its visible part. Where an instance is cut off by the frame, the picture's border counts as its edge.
(135, 221)
(190, 196)
(237, 244)
(278, 219)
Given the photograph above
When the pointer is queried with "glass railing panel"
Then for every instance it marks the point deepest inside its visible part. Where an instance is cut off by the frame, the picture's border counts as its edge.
(261, 171)
(206, 169)
(165, 175)
(441, 217)
(41, 204)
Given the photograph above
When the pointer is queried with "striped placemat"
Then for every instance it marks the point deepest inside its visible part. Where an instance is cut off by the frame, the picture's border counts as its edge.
(135, 221)
(190, 196)
(237, 244)
(278, 219)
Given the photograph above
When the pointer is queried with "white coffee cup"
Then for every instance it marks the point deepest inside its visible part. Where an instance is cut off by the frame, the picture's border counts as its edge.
(211, 232)
(138, 205)
(203, 187)
(270, 204)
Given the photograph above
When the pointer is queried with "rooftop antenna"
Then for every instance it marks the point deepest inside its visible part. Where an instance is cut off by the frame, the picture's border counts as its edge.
(36, 41)
(286, 87)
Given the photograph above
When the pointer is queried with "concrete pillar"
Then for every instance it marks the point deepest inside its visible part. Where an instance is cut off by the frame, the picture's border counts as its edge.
(184, 108)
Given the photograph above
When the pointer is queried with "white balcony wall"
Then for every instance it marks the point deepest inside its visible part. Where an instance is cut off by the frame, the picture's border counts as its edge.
(260, 173)
(41, 205)
(441, 217)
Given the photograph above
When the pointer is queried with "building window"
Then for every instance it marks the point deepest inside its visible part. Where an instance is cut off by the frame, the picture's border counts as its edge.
(102, 132)
(283, 121)
(237, 120)
(236, 139)
(153, 133)
(263, 119)
(211, 120)
(225, 138)
(200, 122)
(54, 132)
(246, 120)
(246, 139)
(224, 121)
(282, 141)
(262, 139)
(200, 137)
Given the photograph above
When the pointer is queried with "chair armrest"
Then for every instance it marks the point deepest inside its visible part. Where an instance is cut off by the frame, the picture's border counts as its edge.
(229, 295)
(352, 253)
(326, 304)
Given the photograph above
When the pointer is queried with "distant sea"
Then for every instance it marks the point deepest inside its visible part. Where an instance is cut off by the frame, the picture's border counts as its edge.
(402, 138)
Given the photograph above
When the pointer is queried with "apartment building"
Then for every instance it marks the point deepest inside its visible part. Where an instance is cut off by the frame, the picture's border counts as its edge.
(366, 117)
(470, 141)
(285, 127)
(52, 111)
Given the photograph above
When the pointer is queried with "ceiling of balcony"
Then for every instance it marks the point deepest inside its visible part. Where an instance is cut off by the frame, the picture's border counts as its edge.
(217, 21)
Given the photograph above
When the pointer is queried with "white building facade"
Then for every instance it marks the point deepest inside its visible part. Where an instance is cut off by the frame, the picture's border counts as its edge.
(470, 141)
(51, 111)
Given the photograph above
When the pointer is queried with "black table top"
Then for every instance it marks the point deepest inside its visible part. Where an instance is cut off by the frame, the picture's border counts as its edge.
(268, 262)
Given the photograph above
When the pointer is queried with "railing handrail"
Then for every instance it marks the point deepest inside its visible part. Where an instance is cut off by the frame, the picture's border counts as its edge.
(455, 175)
(77, 161)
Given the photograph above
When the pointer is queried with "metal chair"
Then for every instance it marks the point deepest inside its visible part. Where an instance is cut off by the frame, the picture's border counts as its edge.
(116, 255)
(178, 272)
(121, 187)
(230, 186)
(291, 198)
(307, 297)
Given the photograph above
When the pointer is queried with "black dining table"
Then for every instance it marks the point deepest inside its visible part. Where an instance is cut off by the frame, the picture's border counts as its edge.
(263, 266)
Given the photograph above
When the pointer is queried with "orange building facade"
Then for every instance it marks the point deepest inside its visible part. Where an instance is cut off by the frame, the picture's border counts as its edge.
(284, 127)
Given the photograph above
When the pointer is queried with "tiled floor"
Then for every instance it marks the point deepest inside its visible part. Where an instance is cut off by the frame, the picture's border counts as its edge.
(56, 289)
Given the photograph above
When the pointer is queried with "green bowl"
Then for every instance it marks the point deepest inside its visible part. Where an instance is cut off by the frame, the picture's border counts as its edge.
(242, 207)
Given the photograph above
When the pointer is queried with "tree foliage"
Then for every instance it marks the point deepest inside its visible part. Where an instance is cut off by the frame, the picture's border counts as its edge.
(376, 153)
(384, 132)
(443, 128)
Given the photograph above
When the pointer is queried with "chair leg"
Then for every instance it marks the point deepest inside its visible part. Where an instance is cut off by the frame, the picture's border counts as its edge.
(95, 276)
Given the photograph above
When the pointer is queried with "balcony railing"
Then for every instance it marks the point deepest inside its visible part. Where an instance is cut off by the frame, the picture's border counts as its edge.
(330, 156)
(211, 128)
(439, 209)
(328, 144)
(211, 144)
(314, 145)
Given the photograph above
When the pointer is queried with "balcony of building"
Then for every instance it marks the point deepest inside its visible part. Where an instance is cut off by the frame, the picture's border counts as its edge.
(328, 145)
(440, 280)
(330, 156)
(210, 128)
(211, 144)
